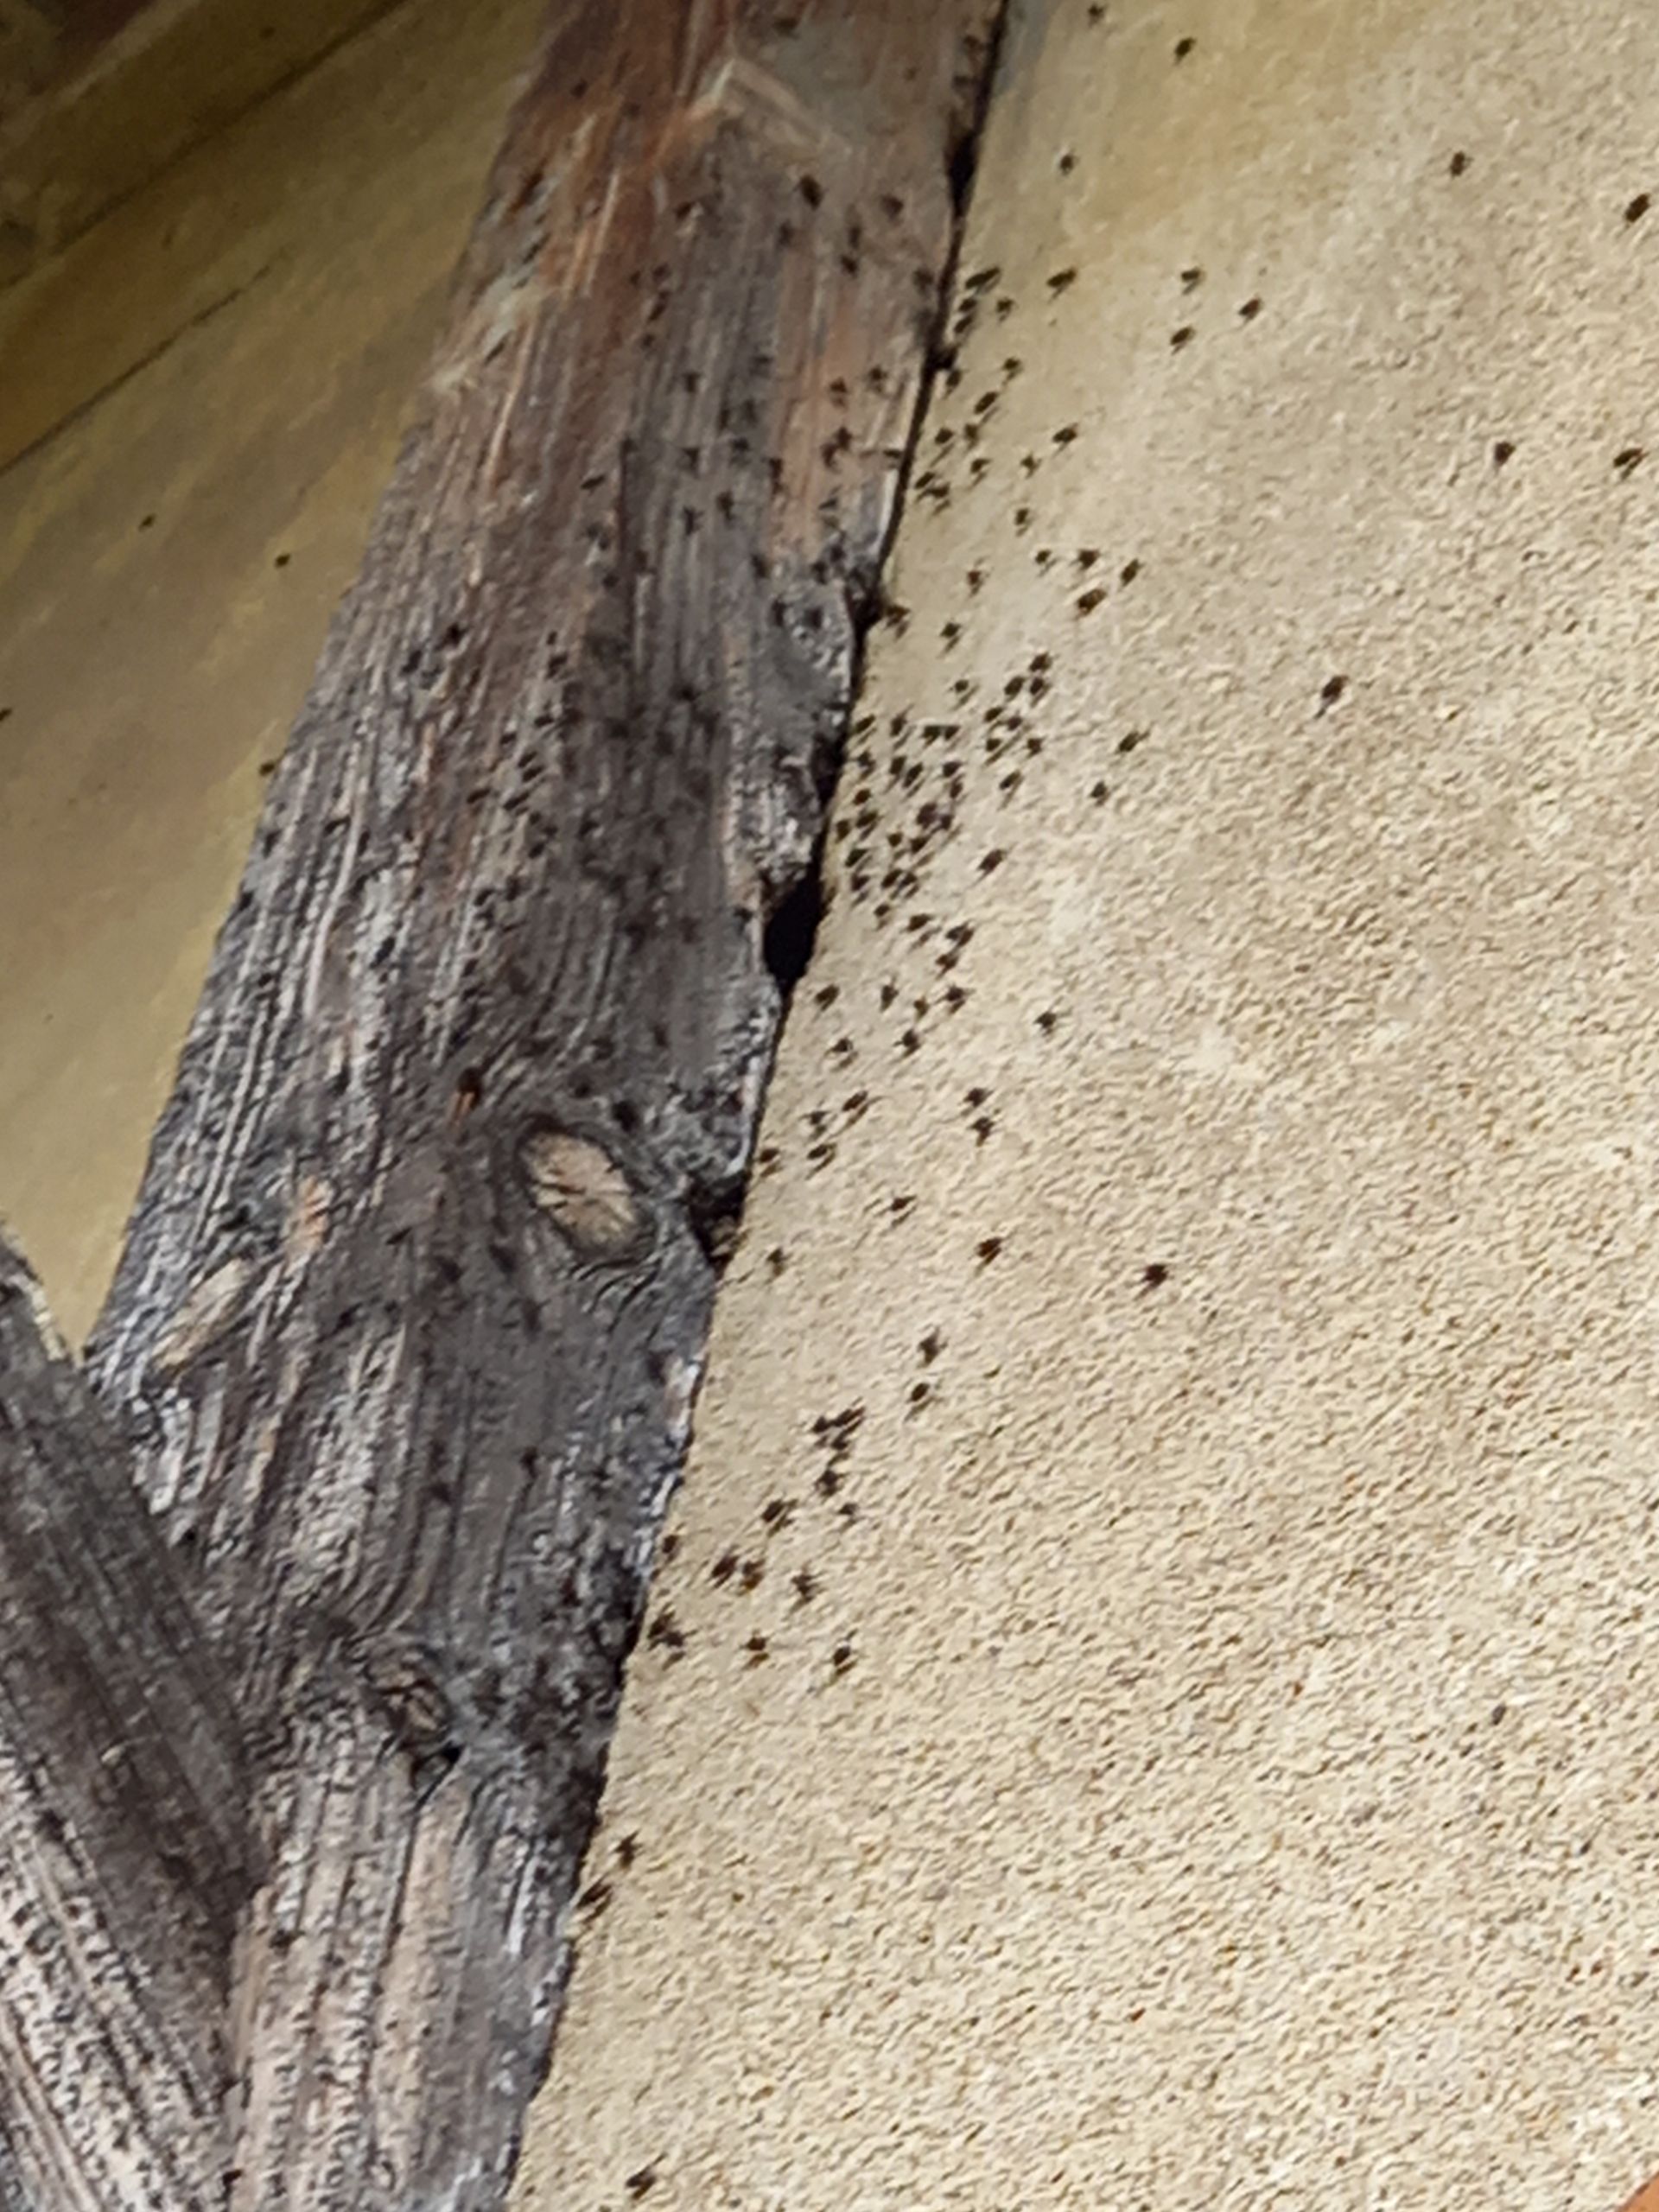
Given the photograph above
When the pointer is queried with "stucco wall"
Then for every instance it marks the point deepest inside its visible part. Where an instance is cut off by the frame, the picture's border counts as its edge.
(1164, 1596)
(200, 404)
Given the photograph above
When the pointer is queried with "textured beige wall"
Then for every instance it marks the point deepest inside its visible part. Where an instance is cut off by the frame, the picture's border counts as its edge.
(199, 404)
(1167, 1575)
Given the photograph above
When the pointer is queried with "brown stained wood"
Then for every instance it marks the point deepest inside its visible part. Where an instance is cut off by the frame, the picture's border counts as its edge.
(413, 1306)
(124, 1857)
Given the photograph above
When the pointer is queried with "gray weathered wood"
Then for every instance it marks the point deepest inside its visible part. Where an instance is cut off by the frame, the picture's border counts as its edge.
(125, 1856)
(412, 1309)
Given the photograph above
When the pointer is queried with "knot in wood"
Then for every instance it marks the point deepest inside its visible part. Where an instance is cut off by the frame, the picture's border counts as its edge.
(584, 1192)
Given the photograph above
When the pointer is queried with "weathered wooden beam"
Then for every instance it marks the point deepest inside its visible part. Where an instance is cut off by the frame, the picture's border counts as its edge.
(413, 1306)
(126, 1857)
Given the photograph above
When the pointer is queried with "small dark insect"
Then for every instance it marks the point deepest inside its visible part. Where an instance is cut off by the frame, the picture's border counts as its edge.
(1154, 1275)
(988, 1247)
(724, 1568)
(841, 1658)
(641, 2184)
(1457, 163)
(1190, 279)
(666, 1634)
(1099, 793)
(1061, 280)
(1502, 450)
(1331, 689)
(975, 577)
(1250, 309)
(920, 1393)
(1129, 572)
(827, 994)
(1184, 336)
(1130, 739)
(1088, 600)
(991, 861)
(776, 1512)
(750, 1576)
(1066, 434)
(777, 1261)
(756, 1648)
(1629, 458)
(811, 191)
(911, 1042)
(902, 1206)
(1046, 1020)
(806, 1587)
(594, 1897)
(628, 1850)
(931, 1346)
(1022, 517)
(1096, 11)
(1184, 46)
(1066, 163)
(1636, 208)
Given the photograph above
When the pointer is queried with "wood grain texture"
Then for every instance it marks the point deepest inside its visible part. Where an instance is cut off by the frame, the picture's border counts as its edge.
(412, 1310)
(124, 1854)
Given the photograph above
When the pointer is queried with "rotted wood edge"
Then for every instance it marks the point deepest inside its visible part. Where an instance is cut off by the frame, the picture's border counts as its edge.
(411, 1312)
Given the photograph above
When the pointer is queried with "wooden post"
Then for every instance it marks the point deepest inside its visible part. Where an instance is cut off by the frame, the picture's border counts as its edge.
(412, 1310)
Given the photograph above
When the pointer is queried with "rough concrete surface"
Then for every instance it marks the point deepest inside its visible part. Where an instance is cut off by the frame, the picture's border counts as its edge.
(1148, 1698)
(200, 402)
